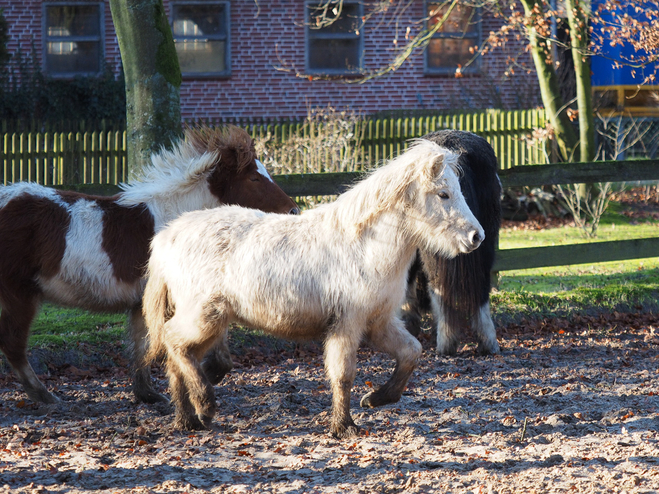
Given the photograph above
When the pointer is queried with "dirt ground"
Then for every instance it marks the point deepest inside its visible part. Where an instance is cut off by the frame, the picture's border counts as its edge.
(567, 407)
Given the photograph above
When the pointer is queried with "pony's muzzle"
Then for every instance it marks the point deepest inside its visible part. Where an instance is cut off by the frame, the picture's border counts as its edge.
(474, 239)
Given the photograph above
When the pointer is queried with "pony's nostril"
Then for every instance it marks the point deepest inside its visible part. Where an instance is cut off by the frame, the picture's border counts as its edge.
(475, 238)
(294, 211)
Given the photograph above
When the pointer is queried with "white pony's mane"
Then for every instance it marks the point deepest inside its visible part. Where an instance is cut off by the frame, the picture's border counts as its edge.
(178, 171)
(386, 187)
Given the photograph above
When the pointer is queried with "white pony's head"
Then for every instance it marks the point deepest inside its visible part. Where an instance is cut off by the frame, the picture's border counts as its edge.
(438, 215)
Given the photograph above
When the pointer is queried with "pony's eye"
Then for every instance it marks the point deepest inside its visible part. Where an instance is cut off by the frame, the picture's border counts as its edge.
(443, 195)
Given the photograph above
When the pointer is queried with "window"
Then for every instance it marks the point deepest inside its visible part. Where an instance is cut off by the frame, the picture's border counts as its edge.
(201, 34)
(335, 48)
(73, 39)
(453, 44)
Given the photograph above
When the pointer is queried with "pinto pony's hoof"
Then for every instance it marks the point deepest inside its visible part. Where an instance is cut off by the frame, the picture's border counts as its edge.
(42, 396)
(215, 371)
(149, 396)
(192, 423)
(344, 431)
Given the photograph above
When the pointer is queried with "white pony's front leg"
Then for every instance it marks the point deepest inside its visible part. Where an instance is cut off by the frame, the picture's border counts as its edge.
(483, 326)
(396, 341)
(341, 367)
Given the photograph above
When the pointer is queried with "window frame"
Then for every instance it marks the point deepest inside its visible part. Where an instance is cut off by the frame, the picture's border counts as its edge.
(313, 34)
(227, 38)
(46, 38)
(474, 68)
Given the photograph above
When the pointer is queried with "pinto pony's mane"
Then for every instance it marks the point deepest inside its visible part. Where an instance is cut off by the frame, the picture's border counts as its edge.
(390, 186)
(192, 159)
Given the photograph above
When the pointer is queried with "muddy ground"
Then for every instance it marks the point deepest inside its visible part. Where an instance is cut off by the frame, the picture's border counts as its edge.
(567, 407)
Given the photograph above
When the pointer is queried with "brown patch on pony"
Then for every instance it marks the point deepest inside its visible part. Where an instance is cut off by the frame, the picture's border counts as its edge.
(235, 150)
(127, 233)
(32, 243)
(33, 232)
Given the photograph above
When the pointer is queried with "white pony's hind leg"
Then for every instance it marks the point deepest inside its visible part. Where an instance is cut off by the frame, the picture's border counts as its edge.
(447, 339)
(186, 343)
(341, 367)
(396, 341)
(483, 326)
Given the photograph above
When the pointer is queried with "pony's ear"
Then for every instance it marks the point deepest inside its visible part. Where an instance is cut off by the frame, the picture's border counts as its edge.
(437, 166)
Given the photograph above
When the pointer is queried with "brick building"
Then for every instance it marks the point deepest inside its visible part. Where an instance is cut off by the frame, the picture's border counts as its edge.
(242, 58)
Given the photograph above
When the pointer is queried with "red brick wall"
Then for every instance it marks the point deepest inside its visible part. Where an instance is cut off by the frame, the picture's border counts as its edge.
(275, 39)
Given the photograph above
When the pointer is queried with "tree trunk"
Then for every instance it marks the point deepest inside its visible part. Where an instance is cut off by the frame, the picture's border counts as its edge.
(564, 132)
(153, 78)
(577, 15)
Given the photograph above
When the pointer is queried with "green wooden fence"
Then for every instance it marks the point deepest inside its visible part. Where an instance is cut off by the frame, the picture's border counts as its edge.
(53, 158)
(95, 152)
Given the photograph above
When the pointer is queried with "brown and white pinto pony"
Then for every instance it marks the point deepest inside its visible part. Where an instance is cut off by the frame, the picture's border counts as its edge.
(91, 252)
(336, 273)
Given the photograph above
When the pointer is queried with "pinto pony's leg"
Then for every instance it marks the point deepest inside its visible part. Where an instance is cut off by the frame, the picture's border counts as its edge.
(400, 344)
(483, 326)
(412, 307)
(447, 335)
(142, 384)
(14, 330)
(341, 368)
(217, 362)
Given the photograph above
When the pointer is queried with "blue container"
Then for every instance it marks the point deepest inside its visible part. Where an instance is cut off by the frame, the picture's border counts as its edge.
(603, 70)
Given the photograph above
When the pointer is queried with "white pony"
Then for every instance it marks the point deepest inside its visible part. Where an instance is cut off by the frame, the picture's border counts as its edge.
(336, 273)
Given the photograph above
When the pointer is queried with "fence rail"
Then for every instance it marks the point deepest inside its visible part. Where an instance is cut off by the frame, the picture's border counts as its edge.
(95, 152)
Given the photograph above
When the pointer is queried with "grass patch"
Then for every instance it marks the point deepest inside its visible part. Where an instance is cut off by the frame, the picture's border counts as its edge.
(617, 228)
(579, 289)
(58, 327)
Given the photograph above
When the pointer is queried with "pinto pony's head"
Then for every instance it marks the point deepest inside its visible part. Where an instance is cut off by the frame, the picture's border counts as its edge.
(241, 178)
(212, 166)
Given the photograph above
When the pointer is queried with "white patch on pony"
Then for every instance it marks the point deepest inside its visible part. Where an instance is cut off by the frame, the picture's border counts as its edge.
(261, 169)
(28, 188)
(175, 183)
(86, 277)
